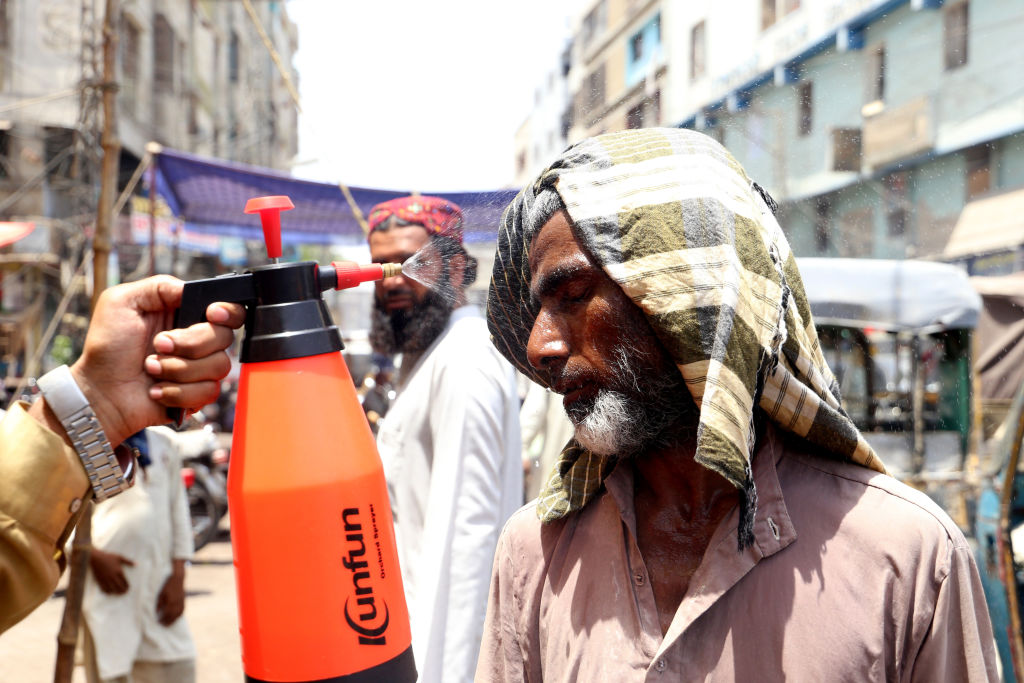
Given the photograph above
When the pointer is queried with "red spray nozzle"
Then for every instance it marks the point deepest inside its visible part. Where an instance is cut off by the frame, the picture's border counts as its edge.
(269, 209)
(349, 273)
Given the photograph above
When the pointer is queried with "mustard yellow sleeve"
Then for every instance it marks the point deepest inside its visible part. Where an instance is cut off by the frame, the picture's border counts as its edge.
(42, 489)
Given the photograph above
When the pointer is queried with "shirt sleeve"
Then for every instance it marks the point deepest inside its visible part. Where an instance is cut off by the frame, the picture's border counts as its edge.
(42, 488)
(959, 645)
(464, 513)
(501, 657)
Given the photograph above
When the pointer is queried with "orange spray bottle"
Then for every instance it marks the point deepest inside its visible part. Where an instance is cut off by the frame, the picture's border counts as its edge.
(320, 594)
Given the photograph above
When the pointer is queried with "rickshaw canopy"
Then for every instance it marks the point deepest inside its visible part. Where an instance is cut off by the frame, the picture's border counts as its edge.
(893, 295)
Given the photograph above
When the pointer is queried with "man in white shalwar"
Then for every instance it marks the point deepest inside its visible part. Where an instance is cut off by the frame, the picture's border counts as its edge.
(450, 442)
(134, 594)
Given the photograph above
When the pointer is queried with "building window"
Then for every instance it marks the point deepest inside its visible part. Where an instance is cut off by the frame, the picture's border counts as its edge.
(635, 116)
(130, 58)
(58, 150)
(773, 10)
(642, 52)
(6, 169)
(897, 200)
(652, 115)
(593, 24)
(822, 211)
(233, 56)
(954, 39)
(806, 108)
(698, 52)
(846, 149)
(591, 98)
(767, 13)
(163, 55)
(5, 38)
(594, 89)
(979, 170)
(636, 47)
(5, 25)
(646, 113)
(874, 77)
(193, 114)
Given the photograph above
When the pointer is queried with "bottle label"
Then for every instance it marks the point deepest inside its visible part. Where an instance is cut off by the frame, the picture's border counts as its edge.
(369, 617)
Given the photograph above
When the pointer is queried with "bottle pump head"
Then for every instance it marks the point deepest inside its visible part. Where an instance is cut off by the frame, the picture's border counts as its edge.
(287, 316)
(269, 209)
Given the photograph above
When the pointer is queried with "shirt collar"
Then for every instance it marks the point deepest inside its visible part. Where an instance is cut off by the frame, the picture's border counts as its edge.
(773, 528)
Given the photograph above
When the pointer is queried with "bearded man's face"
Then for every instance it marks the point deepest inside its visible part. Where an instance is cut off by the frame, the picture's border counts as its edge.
(412, 329)
(407, 315)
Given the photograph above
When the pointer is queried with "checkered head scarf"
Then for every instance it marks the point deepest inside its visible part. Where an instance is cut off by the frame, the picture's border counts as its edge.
(439, 216)
(673, 219)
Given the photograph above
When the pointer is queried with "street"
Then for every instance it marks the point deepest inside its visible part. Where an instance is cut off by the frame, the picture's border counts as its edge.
(28, 651)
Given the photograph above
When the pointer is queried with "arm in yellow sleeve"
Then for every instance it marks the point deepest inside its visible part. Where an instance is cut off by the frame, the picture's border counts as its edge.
(42, 490)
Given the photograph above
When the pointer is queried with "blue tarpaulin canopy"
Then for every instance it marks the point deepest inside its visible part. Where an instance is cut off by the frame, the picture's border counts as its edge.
(210, 195)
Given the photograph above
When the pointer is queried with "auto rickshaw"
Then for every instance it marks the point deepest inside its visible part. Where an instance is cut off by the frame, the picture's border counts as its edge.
(898, 337)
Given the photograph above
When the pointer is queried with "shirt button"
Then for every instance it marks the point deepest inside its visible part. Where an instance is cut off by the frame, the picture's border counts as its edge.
(75, 505)
(660, 665)
(639, 578)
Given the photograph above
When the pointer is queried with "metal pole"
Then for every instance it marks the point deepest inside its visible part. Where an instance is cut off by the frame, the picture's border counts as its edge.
(111, 154)
(152, 219)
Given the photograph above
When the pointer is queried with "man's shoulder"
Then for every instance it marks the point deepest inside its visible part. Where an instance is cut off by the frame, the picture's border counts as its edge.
(466, 347)
(466, 322)
(525, 536)
(879, 502)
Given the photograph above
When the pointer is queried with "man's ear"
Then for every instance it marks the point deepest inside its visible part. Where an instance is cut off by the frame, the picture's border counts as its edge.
(469, 276)
(462, 268)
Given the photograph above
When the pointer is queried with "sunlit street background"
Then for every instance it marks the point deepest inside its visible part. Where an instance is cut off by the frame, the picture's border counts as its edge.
(889, 132)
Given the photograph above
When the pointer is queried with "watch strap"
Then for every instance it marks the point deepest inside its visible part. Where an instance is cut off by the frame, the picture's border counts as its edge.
(71, 407)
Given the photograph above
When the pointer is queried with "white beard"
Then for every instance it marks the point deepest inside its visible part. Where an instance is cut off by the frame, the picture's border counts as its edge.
(610, 428)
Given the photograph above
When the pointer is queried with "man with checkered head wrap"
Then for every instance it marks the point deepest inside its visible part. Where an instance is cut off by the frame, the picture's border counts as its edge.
(450, 440)
(717, 516)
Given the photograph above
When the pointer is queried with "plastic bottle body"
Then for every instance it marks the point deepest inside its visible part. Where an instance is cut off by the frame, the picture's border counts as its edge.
(319, 588)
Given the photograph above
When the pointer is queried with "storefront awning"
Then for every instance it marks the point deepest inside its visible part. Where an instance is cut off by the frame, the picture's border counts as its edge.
(988, 225)
(210, 194)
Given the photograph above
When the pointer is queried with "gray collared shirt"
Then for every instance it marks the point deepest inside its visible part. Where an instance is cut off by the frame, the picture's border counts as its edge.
(852, 576)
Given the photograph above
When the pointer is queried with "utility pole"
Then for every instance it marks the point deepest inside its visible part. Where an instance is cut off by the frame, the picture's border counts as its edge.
(111, 154)
(67, 637)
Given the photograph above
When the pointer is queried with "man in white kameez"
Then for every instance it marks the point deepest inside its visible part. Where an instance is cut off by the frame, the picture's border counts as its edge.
(450, 441)
(135, 592)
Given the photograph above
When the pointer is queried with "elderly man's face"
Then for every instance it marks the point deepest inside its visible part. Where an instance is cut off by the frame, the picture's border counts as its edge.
(594, 346)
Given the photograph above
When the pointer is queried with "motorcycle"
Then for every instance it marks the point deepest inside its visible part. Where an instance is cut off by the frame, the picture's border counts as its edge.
(205, 456)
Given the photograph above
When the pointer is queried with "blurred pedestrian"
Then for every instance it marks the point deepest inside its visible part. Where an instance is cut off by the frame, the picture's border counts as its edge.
(377, 395)
(134, 599)
(545, 432)
(450, 441)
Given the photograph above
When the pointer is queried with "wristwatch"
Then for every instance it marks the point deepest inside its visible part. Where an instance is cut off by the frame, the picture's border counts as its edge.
(69, 404)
